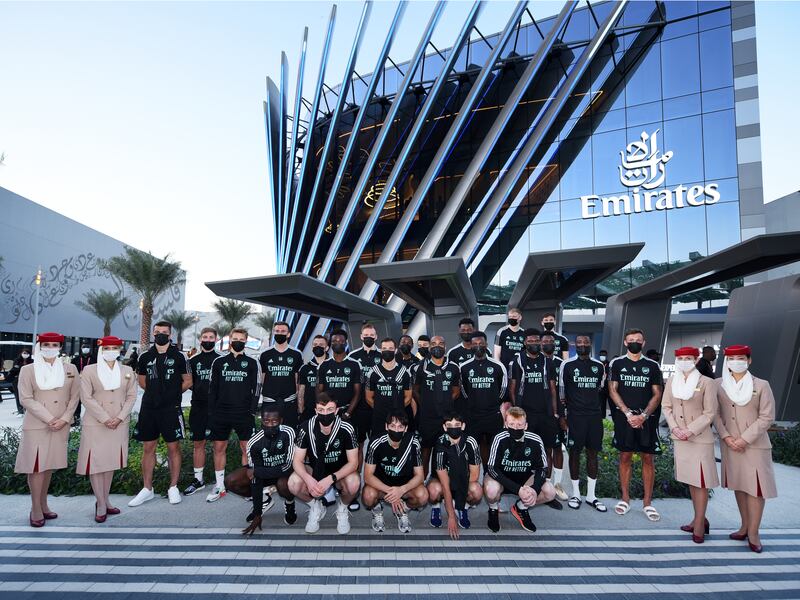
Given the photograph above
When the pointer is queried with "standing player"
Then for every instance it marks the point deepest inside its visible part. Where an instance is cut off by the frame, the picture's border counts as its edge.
(548, 349)
(325, 462)
(340, 376)
(437, 386)
(163, 375)
(463, 352)
(518, 466)
(200, 365)
(533, 388)
(561, 343)
(404, 354)
(510, 339)
(232, 403)
(457, 466)
(388, 388)
(581, 382)
(307, 378)
(393, 472)
(423, 347)
(635, 389)
(483, 388)
(280, 366)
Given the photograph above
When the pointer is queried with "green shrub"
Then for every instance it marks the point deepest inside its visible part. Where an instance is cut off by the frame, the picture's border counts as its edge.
(786, 446)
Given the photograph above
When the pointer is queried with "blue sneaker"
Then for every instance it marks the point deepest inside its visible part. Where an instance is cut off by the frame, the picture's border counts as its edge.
(463, 519)
(436, 517)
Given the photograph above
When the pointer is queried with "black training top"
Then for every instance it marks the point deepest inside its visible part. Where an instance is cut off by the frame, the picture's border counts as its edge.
(561, 343)
(580, 383)
(366, 360)
(270, 457)
(483, 385)
(467, 450)
(164, 376)
(411, 363)
(307, 376)
(338, 379)
(389, 386)
(533, 377)
(436, 385)
(636, 378)
(235, 385)
(331, 449)
(511, 343)
(200, 365)
(394, 466)
(513, 462)
(459, 354)
(280, 370)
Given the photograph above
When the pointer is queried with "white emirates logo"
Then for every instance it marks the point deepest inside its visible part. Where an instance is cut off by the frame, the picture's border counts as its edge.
(642, 169)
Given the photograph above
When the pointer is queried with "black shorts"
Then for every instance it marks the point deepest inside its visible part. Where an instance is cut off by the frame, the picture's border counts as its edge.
(585, 431)
(198, 422)
(159, 422)
(221, 425)
(628, 439)
(362, 420)
(485, 426)
(428, 432)
(546, 427)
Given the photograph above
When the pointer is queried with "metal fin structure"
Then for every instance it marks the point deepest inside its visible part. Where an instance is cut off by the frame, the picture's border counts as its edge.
(273, 160)
(279, 151)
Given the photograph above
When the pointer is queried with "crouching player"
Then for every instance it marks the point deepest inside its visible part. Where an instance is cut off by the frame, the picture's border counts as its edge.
(456, 466)
(517, 465)
(393, 473)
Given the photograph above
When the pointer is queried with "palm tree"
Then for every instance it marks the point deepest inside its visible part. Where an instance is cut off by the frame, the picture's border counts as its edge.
(181, 321)
(232, 312)
(265, 320)
(149, 276)
(105, 305)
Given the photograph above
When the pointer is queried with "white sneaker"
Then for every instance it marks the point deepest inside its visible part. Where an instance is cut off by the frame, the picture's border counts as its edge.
(403, 524)
(342, 518)
(378, 523)
(142, 497)
(315, 514)
(216, 494)
(174, 495)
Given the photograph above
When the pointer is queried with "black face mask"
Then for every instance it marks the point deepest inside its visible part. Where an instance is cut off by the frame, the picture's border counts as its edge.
(161, 339)
(280, 338)
(338, 348)
(548, 348)
(424, 352)
(480, 351)
(405, 348)
(327, 419)
(237, 346)
(533, 348)
(270, 431)
(437, 352)
(208, 345)
(369, 342)
(513, 322)
(395, 436)
(583, 350)
(634, 347)
(318, 351)
(387, 355)
(549, 326)
(465, 336)
(515, 434)
(455, 432)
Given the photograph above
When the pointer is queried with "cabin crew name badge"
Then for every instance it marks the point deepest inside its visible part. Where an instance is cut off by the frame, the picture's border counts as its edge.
(642, 170)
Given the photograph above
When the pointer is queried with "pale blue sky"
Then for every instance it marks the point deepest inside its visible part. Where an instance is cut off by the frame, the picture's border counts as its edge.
(144, 120)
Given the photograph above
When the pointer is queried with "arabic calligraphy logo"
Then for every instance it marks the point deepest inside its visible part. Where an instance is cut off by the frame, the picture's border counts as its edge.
(643, 165)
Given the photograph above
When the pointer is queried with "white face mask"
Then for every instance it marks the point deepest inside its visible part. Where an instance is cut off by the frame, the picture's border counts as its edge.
(85, 350)
(684, 366)
(50, 352)
(738, 366)
(109, 355)
(25, 355)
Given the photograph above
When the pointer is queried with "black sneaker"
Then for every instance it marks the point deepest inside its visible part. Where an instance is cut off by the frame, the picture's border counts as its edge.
(289, 515)
(555, 504)
(193, 487)
(494, 520)
(524, 518)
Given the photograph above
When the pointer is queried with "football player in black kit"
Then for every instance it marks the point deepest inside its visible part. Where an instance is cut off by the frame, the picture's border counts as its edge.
(280, 366)
(388, 388)
(549, 349)
(269, 465)
(437, 386)
(533, 388)
(200, 365)
(580, 382)
(510, 339)
(340, 376)
(517, 465)
(232, 404)
(393, 473)
(404, 353)
(307, 378)
(483, 389)
(463, 352)
(561, 343)
(423, 347)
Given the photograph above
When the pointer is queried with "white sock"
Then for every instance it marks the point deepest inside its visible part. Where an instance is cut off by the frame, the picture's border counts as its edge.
(220, 476)
(576, 488)
(494, 505)
(198, 474)
(590, 486)
(557, 473)
(436, 505)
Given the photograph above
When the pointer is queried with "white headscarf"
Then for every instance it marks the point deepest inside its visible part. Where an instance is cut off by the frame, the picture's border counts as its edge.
(48, 377)
(684, 387)
(740, 392)
(110, 377)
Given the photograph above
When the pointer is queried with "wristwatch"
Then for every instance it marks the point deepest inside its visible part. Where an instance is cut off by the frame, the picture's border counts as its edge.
(628, 412)
(333, 477)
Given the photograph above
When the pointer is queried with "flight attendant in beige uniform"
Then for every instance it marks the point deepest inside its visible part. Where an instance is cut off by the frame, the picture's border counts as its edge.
(689, 404)
(746, 411)
(49, 391)
(108, 391)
